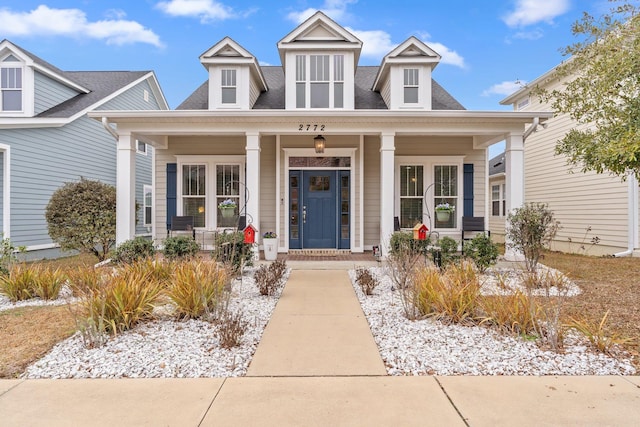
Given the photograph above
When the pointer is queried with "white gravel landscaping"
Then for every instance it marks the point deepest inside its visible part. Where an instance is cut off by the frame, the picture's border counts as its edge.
(165, 348)
(64, 298)
(429, 347)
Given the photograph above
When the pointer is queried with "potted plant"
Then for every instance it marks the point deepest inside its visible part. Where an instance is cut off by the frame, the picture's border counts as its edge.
(227, 208)
(443, 211)
(270, 242)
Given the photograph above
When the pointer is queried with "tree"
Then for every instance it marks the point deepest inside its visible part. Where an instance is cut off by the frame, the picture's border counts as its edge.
(82, 216)
(603, 89)
(531, 229)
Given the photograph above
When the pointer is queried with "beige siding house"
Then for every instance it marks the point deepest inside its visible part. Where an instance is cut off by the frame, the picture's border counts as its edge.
(324, 152)
(588, 205)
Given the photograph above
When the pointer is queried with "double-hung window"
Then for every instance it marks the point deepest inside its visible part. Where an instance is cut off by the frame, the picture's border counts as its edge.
(11, 84)
(411, 85)
(228, 86)
(212, 190)
(498, 200)
(422, 185)
(319, 81)
(148, 204)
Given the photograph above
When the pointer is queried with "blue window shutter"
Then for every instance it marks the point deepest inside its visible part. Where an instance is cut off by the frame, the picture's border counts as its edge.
(468, 189)
(172, 191)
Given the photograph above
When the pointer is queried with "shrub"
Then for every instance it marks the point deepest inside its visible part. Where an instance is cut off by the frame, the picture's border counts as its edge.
(366, 280)
(82, 216)
(180, 247)
(530, 229)
(48, 282)
(268, 279)
(8, 254)
(231, 249)
(403, 242)
(231, 329)
(598, 333)
(126, 299)
(19, 284)
(448, 250)
(159, 270)
(197, 288)
(134, 250)
(482, 251)
(405, 256)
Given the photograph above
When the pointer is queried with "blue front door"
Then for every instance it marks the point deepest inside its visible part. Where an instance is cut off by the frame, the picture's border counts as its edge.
(318, 215)
(319, 209)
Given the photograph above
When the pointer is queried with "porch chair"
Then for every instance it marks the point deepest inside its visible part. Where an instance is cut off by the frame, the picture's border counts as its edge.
(181, 223)
(474, 225)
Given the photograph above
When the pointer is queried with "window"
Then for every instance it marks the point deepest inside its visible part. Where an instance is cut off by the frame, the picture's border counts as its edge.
(194, 193)
(228, 188)
(411, 194)
(228, 86)
(411, 85)
(148, 204)
(141, 147)
(10, 84)
(319, 81)
(446, 192)
(495, 200)
(504, 199)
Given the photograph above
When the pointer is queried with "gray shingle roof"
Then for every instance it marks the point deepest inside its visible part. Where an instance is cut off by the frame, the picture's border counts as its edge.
(365, 98)
(100, 83)
(497, 164)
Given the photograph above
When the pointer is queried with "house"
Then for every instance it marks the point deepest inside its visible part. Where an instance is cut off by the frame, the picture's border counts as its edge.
(497, 191)
(321, 151)
(591, 207)
(46, 139)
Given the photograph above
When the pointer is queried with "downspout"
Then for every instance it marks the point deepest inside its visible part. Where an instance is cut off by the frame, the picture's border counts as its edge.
(531, 129)
(107, 126)
(632, 217)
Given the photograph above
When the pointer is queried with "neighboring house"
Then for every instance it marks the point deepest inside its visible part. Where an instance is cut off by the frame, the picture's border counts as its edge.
(497, 193)
(588, 205)
(46, 139)
(326, 153)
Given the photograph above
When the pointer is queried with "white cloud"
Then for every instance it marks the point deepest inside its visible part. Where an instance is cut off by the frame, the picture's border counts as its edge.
(44, 21)
(504, 88)
(528, 12)
(375, 43)
(206, 10)
(529, 35)
(335, 9)
(449, 56)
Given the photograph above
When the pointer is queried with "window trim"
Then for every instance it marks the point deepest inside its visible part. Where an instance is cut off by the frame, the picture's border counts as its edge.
(233, 86)
(210, 162)
(333, 67)
(13, 65)
(406, 85)
(139, 150)
(428, 163)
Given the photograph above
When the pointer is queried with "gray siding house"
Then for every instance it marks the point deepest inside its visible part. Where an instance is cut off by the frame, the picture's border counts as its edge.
(46, 139)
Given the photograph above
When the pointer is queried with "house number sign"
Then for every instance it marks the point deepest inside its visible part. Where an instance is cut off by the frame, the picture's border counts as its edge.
(310, 127)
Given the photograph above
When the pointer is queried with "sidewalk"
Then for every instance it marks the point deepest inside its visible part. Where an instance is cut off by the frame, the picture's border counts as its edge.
(317, 365)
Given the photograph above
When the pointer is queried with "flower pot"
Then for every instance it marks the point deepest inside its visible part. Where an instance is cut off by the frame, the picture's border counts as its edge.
(227, 212)
(270, 249)
(443, 216)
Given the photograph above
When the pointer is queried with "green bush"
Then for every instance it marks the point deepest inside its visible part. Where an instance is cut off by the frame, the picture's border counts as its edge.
(82, 216)
(448, 248)
(134, 250)
(482, 251)
(8, 254)
(531, 229)
(180, 247)
(403, 243)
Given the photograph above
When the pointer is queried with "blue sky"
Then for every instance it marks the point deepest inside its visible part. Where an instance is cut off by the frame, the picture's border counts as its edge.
(488, 47)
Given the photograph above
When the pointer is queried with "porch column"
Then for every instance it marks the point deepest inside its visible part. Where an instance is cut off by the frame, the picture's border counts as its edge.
(514, 158)
(387, 149)
(253, 179)
(125, 188)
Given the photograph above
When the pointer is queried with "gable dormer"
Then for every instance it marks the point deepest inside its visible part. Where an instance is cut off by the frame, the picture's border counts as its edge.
(29, 85)
(235, 78)
(404, 77)
(319, 59)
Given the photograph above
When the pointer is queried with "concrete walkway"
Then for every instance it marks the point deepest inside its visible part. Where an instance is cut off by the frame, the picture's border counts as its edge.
(317, 365)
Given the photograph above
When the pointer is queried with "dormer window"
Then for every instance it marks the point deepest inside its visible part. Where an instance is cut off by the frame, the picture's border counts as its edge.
(319, 81)
(11, 84)
(411, 87)
(228, 86)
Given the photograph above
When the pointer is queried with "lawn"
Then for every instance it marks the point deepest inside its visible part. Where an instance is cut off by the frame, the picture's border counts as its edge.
(608, 284)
